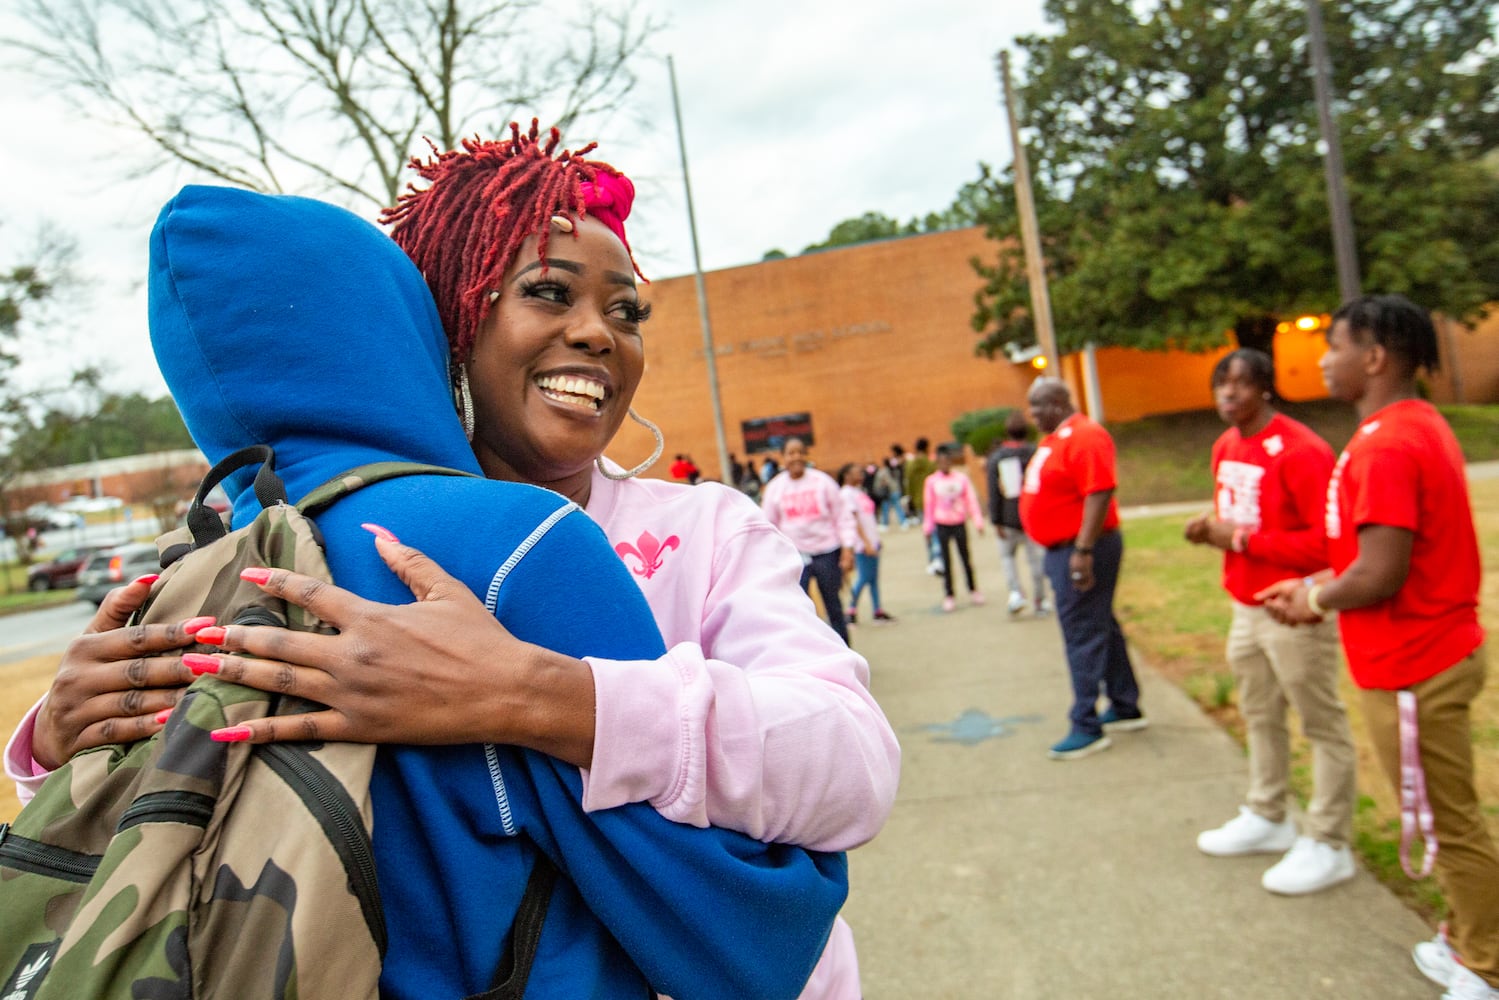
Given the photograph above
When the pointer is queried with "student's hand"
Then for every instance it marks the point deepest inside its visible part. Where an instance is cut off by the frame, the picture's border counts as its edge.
(1285, 601)
(113, 680)
(1196, 530)
(439, 671)
(846, 560)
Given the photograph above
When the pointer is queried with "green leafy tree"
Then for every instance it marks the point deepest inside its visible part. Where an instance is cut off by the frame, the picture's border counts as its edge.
(1179, 184)
(103, 425)
(28, 286)
(973, 204)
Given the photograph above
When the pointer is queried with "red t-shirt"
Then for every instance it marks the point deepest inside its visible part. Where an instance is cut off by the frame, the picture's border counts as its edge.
(1274, 484)
(1071, 462)
(1403, 469)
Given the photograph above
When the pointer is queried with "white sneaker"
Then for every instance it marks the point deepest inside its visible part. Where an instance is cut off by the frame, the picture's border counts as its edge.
(1468, 985)
(1436, 960)
(1247, 833)
(1017, 602)
(934, 568)
(1309, 866)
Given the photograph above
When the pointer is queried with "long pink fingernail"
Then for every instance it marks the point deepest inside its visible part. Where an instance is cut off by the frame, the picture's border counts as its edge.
(195, 625)
(380, 532)
(211, 635)
(231, 734)
(200, 664)
(148, 579)
(164, 714)
(255, 574)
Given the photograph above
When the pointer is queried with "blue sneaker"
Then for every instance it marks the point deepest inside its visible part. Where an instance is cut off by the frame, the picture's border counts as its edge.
(1116, 723)
(1078, 745)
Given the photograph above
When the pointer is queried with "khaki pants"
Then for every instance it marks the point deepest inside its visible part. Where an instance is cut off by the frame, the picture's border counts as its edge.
(1467, 865)
(1276, 666)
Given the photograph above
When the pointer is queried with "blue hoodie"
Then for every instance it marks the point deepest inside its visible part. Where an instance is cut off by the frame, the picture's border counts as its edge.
(285, 321)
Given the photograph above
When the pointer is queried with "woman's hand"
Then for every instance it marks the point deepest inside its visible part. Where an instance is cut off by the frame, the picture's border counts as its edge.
(113, 681)
(439, 671)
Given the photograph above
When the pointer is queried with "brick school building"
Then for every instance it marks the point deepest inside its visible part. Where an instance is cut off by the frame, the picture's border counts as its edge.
(873, 344)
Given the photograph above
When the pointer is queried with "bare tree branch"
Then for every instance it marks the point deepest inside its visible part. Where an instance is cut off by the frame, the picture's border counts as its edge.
(325, 95)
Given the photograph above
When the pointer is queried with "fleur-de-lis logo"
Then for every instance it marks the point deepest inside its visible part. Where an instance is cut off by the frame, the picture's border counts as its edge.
(647, 551)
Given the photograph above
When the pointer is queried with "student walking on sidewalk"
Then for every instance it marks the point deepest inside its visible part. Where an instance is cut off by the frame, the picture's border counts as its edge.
(806, 504)
(867, 543)
(1004, 472)
(1271, 477)
(948, 504)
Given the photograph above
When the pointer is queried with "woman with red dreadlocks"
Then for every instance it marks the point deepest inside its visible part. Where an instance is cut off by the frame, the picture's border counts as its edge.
(758, 718)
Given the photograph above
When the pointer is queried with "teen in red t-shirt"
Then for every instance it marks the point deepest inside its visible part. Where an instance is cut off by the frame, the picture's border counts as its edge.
(1403, 469)
(1405, 581)
(1271, 474)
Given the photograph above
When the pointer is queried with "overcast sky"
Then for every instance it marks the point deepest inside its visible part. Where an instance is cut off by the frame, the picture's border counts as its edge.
(798, 114)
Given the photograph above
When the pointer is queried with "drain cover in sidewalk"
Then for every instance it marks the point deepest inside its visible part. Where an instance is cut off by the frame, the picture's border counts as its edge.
(975, 726)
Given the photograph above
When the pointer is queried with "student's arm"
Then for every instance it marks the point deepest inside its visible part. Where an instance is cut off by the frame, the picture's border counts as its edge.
(1376, 574)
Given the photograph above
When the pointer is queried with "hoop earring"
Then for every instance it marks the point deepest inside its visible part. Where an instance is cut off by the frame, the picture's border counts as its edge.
(463, 400)
(660, 446)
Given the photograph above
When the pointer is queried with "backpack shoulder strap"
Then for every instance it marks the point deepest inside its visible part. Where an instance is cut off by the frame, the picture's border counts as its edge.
(345, 483)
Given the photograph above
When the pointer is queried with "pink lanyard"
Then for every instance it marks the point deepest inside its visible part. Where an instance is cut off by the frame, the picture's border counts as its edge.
(1415, 807)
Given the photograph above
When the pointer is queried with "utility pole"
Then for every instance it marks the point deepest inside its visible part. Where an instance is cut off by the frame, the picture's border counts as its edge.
(709, 358)
(1030, 231)
(1344, 247)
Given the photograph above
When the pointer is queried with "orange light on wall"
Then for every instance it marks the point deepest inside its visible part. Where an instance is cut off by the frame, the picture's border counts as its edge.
(1282, 327)
(1039, 362)
(1308, 323)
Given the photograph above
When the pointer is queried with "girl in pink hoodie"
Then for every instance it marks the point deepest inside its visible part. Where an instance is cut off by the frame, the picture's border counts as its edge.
(948, 504)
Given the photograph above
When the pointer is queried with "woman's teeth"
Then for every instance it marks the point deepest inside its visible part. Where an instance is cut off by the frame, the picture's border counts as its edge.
(575, 391)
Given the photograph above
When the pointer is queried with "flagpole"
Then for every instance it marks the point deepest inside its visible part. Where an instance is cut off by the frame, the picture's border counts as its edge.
(725, 473)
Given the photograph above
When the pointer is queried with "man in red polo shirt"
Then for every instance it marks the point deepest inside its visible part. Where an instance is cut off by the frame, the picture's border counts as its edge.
(1067, 506)
(1404, 580)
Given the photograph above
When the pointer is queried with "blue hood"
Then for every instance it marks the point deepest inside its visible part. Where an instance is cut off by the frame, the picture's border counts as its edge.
(284, 321)
(288, 321)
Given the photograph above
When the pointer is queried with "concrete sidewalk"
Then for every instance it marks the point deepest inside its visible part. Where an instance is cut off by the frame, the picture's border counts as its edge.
(1004, 874)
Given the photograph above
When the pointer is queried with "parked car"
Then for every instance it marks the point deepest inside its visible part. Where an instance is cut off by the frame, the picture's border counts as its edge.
(45, 517)
(62, 569)
(90, 505)
(115, 567)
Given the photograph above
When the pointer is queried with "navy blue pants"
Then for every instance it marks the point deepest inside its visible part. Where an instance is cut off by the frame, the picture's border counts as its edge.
(825, 570)
(1096, 654)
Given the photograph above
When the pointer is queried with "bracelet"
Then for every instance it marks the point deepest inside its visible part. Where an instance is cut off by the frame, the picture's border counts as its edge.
(1083, 550)
(1311, 598)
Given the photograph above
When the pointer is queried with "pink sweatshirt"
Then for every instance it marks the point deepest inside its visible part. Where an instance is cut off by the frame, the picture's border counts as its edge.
(862, 505)
(950, 499)
(774, 732)
(811, 512)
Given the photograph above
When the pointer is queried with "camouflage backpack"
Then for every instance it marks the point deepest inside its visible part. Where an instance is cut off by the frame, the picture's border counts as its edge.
(177, 867)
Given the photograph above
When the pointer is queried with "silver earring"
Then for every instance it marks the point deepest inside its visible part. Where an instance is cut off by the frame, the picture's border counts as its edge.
(463, 401)
(660, 445)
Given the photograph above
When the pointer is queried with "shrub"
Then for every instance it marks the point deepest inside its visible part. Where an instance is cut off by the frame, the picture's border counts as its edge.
(979, 429)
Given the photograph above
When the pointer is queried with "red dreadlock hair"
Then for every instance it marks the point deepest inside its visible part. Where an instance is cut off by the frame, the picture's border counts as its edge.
(466, 227)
